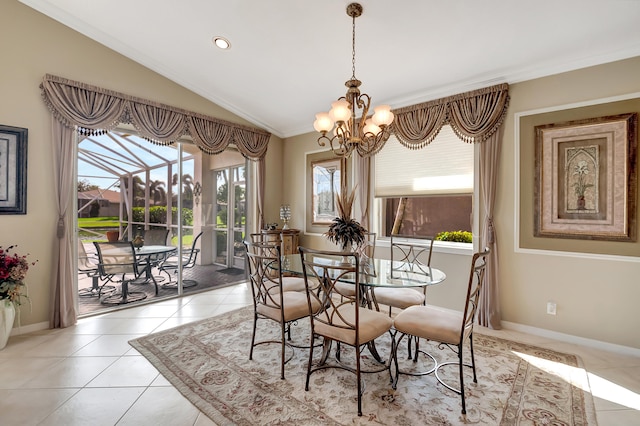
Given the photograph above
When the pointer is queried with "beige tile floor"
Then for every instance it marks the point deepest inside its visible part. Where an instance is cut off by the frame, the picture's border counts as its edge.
(89, 375)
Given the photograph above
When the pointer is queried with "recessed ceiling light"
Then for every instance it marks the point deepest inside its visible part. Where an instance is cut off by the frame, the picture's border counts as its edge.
(222, 43)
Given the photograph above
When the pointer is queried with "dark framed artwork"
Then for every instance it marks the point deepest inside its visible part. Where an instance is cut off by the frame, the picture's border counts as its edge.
(585, 173)
(13, 170)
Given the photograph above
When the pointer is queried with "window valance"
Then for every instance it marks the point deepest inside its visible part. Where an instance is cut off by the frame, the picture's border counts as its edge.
(474, 116)
(94, 110)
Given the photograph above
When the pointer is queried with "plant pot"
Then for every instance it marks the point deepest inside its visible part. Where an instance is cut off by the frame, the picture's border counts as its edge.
(7, 315)
(113, 236)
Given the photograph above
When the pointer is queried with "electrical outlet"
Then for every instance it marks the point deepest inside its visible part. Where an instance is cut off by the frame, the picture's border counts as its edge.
(551, 308)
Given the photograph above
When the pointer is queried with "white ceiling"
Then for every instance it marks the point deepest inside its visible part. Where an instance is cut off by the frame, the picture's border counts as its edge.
(290, 58)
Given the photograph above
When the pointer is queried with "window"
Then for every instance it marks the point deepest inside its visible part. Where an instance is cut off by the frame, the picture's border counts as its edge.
(323, 181)
(426, 191)
(326, 185)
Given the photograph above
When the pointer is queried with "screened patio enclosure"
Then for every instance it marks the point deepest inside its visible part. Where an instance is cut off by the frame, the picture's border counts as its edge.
(128, 186)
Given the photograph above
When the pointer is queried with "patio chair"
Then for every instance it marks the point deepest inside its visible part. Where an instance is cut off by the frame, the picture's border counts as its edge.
(156, 237)
(88, 265)
(117, 263)
(188, 260)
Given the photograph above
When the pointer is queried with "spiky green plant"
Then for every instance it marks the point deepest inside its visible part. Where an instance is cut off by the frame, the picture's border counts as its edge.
(344, 230)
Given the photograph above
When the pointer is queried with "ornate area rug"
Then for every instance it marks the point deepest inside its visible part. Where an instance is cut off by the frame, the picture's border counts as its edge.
(208, 362)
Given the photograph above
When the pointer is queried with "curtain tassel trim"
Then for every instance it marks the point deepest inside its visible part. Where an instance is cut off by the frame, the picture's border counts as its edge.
(94, 111)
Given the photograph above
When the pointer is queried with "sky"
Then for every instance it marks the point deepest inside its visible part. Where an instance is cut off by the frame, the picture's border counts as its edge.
(131, 154)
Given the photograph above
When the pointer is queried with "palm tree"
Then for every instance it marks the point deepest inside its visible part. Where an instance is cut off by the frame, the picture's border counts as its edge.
(157, 192)
(138, 190)
(187, 189)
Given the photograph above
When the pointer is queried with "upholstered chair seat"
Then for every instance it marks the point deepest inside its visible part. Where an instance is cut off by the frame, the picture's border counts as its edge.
(294, 305)
(400, 298)
(428, 322)
(371, 325)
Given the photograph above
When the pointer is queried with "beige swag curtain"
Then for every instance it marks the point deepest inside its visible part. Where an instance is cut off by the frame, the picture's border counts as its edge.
(92, 110)
(476, 117)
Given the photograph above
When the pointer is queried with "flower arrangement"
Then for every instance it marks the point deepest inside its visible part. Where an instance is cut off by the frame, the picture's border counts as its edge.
(344, 230)
(13, 270)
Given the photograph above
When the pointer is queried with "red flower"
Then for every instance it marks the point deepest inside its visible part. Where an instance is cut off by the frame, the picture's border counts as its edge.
(13, 270)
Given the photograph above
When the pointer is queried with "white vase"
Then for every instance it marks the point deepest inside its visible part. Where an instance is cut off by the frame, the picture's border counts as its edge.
(7, 315)
(345, 259)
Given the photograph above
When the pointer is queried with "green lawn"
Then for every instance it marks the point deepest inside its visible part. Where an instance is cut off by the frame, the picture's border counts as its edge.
(98, 222)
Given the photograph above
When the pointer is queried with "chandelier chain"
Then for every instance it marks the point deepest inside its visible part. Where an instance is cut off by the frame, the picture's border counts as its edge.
(365, 135)
(353, 48)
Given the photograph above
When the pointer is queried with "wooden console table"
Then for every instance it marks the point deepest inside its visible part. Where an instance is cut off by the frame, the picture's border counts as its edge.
(288, 237)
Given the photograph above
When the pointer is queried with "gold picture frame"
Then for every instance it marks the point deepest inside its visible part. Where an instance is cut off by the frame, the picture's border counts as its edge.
(585, 179)
(326, 178)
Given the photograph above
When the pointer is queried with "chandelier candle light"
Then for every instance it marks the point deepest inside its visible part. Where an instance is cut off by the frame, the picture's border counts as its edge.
(364, 134)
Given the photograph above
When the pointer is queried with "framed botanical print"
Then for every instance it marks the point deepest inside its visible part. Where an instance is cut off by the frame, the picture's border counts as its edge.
(586, 179)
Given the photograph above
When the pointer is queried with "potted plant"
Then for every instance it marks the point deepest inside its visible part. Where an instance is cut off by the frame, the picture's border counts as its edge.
(13, 270)
(581, 185)
(344, 230)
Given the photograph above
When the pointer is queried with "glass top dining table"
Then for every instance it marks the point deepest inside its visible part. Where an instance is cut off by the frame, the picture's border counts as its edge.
(379, 272)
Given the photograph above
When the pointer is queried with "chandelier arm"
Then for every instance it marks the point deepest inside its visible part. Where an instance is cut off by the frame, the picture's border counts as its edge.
(373, 144)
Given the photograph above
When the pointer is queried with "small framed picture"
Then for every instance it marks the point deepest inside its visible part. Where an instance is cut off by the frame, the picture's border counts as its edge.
(13, 170)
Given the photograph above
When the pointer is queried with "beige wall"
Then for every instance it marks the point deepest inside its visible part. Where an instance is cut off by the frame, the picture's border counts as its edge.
(33, 45)
(596, 297)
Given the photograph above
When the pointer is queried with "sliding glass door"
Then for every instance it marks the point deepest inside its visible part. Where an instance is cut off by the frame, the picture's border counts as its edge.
(231, 216)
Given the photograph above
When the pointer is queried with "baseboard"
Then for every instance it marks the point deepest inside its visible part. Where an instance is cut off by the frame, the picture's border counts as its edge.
(569, 338)
(597, 344)
(16, 331)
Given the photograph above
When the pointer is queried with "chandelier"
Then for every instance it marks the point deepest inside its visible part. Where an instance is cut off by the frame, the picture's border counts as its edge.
(354, 129)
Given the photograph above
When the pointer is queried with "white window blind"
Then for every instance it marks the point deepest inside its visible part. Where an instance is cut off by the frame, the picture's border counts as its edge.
(445, 166)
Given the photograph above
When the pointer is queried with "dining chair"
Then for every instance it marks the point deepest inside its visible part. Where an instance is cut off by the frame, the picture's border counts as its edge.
(342, 317)
(412, 255)
(270, 300)
(365, 251)
(451, 329)
(88, 265)
(289, 282)
(117, 263)
(171, 264)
